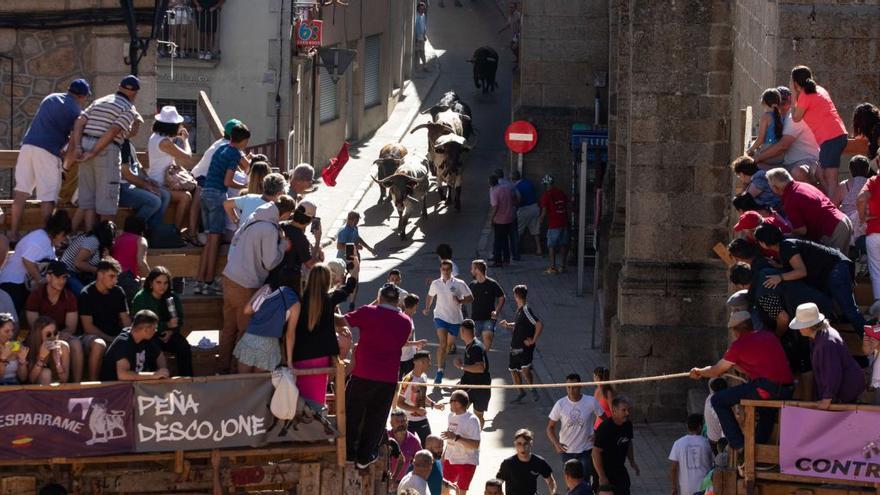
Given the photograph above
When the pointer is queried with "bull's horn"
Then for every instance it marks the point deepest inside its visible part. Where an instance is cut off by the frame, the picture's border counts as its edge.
(414, 200)
(421, 126)
(378, 160)
(464, 117)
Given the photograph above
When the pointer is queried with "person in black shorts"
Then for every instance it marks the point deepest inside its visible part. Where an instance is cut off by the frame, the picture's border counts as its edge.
(475, 370)
(527, 327)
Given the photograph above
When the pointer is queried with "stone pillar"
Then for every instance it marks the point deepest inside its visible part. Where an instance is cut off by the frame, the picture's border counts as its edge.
(671, 289)
(611, 235)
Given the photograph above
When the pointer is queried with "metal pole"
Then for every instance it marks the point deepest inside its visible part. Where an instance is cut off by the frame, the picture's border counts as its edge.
(519, 160)
(314, 118)
(582, 213)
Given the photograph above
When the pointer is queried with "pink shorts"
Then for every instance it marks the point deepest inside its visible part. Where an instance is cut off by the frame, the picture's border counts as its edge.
(313, 387)
(460, 474)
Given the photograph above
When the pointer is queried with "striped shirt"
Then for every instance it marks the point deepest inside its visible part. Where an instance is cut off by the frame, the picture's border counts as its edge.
(110, 110)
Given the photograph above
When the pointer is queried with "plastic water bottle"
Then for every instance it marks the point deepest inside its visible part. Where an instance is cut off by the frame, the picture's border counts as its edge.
(172, 309)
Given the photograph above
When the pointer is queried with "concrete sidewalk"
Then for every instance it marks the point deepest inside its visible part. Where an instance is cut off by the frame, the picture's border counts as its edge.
(334, 203)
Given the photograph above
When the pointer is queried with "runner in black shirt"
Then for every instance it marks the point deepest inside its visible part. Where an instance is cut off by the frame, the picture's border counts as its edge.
(527, 327)
(475, 368)
(612, 446)
(488, 302)
(520, 471)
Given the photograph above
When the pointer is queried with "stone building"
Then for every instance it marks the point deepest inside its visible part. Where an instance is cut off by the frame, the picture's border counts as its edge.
(256, 75)
(679, 74)
(48, 57)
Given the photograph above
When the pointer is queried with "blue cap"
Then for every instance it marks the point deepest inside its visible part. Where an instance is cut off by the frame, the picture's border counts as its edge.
(80, 87)
(130, 82)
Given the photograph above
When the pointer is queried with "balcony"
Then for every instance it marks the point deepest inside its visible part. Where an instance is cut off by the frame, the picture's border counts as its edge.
(190, 32)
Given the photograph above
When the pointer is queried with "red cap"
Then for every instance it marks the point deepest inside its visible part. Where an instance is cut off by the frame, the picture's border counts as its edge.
(748, 220)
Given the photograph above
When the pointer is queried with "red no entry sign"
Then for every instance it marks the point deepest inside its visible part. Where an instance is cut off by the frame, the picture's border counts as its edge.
(521, 137)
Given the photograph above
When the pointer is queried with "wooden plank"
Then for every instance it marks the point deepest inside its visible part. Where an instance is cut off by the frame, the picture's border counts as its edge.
(721, 251)
(282, 475)
(309, 479)
(793, 478)
(864, 294)
(352, 481)
(767, 454)
(340, 411)
(332, 480)
(18, 485)
(858, 146)
(749, 450)
(214, 123)
(811, 405)
(746, 129)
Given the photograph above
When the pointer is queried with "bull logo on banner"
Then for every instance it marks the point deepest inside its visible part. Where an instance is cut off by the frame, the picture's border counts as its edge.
(105, 426)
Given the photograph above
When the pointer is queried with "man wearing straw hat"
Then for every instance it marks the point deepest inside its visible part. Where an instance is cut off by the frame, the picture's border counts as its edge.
(759, 355)
(838, 376)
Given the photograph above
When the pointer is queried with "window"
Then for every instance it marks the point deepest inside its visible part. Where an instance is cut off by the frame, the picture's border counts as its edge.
(189, 109)
(329, 104)
(371, 71)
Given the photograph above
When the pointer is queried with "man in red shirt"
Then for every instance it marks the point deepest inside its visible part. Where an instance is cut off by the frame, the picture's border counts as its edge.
(812, 215)
(554, 207)
(758, 354)
(369, 394)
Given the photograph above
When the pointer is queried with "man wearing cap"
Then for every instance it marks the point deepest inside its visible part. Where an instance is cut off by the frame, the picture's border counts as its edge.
(104, 125)
(759, 355)
(201, 168)
(797, 146)
(39, 161)
(55, 300)
(369, 394)
(838, 377)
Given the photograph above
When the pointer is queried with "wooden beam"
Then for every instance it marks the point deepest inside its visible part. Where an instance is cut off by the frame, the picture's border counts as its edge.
(749, 450)
(746, 129)
(309, 479)
(340, 411)
(721, 251)
(214, 122)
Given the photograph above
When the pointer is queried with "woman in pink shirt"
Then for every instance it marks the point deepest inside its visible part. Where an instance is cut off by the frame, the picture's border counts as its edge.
(814, 105)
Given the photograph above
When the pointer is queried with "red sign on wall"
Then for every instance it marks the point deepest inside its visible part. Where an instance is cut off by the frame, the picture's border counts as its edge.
(521, 137)
(309, 33)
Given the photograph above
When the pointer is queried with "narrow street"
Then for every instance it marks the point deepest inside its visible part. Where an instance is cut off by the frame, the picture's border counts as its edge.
(454, 33)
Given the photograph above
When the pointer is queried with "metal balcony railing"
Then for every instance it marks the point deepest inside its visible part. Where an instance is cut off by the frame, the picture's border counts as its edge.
(191, 31)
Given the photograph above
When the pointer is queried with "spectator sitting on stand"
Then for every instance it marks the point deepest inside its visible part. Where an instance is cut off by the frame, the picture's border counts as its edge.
(158, 297)
(847, 199)
(134, 355)
(55, 300)
(85, 251)
(272, 186)
(760, 356)
(103, 313)
(301, 255)
(49, 360)
(754, 182)
(839, 378)
(130, 250)
(13, 356)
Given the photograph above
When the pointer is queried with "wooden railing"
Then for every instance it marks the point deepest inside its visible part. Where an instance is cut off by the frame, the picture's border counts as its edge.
(335, 400)
(768, 454)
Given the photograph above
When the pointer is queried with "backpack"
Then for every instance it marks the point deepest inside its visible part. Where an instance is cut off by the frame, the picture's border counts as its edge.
(165, 236)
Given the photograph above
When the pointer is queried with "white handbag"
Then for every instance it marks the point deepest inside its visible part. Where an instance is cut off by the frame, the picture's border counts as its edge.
(286, 396)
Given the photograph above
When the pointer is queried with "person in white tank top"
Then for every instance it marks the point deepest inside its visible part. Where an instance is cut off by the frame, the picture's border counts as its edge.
(163, 152)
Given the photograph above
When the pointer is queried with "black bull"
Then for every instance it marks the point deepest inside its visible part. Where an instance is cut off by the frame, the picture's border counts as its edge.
(407, 187)
(485, 62)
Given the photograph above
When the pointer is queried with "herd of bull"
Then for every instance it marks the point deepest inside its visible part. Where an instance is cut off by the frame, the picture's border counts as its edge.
(405, 180)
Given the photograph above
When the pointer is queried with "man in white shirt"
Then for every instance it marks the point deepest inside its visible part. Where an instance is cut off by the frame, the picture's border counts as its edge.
(450, 293)
(417, 479)
(201, 168)
(576, 413)
(462, 454)
(798, 145)
(691, 458)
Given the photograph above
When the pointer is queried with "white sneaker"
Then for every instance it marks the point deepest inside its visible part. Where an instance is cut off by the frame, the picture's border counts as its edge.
(199, 288)
(214, 289)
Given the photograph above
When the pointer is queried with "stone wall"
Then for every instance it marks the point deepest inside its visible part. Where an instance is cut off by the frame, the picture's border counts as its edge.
(563, 45)
(671, 145)
(680, 73)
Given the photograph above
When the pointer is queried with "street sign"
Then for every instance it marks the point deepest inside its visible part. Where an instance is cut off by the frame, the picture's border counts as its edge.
(309, 33)
(521, 136)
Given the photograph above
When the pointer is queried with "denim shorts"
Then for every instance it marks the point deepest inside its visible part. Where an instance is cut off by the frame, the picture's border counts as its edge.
(557, 237)
(213, 214)
(481, 326)
(830, 151)
(452, 328)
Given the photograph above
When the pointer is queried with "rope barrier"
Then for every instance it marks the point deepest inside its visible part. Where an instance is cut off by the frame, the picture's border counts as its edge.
(562, 385)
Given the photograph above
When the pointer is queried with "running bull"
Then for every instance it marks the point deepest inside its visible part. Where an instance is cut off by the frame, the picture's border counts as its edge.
(485, 62)
(443, 123)
(449, 153)
(390, 158)
(407, 186)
